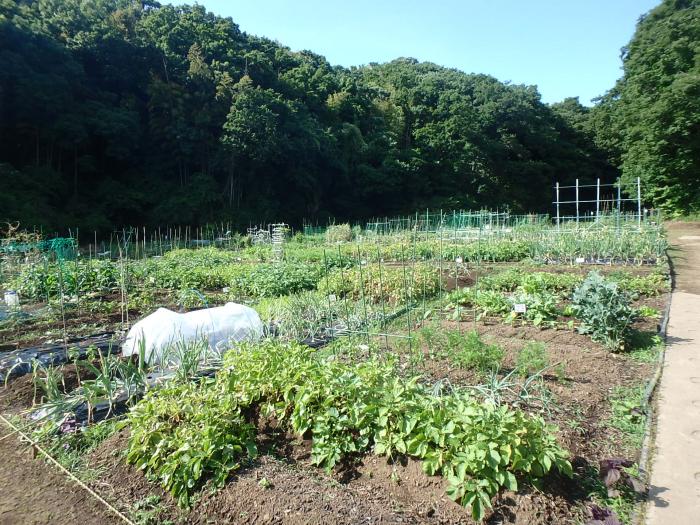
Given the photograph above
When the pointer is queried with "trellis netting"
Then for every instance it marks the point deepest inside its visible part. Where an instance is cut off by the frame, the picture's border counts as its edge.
(60, 247)
(163, 330)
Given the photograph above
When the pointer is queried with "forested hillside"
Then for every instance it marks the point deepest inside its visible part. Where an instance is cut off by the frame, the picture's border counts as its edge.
(118, 112)
(650, 120)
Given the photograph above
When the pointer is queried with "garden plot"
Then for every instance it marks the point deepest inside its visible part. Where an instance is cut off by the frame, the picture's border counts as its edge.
(452, 381)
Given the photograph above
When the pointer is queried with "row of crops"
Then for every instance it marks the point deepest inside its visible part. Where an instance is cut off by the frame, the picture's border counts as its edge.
(344, 391)
(195, 430)
(241, 269)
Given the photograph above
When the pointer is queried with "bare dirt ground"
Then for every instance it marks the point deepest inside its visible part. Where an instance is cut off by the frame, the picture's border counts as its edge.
(32, 493)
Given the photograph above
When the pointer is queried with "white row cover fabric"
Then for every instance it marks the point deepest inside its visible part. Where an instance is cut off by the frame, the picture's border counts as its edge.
(164, 329)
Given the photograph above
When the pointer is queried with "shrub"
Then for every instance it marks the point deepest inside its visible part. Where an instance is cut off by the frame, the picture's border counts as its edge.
(339, 233)
(604, 311)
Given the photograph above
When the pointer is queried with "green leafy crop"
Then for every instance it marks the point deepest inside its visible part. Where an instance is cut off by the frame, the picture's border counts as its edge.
(378, 282)
(604, 310)
(185, 434)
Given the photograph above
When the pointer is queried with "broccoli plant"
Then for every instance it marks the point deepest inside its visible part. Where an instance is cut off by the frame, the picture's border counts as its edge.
(604, 311)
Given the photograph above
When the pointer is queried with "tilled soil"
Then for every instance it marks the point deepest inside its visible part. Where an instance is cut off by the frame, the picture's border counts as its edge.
(581, 380)
(33, 493)
(280, 490)
(285, 489)
(281, 486)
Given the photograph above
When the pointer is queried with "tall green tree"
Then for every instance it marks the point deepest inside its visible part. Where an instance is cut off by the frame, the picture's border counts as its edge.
(117, 112)
(656, 107)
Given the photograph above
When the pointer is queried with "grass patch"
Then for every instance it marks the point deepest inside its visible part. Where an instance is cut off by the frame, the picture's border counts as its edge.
(464, 350)
(147, 511)
(623, 504)
(72, 449)
(629, 413)
(645, 347)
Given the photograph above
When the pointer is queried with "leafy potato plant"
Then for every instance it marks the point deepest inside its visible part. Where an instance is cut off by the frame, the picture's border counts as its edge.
(350, 408)
(186, 433)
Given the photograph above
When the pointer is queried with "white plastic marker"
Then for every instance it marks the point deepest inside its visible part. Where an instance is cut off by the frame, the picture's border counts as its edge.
(11, 298)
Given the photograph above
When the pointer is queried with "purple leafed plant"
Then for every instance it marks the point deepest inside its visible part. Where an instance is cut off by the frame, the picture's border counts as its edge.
(69, 426)
(612, 472)
(602, 516)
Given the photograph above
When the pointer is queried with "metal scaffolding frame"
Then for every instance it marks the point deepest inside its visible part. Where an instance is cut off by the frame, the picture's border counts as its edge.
(600, 203)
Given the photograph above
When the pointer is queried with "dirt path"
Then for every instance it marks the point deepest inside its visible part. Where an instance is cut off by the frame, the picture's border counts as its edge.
(33, 493)
(674, 494)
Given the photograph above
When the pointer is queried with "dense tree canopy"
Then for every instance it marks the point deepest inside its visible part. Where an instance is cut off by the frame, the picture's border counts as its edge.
(650, 121)
(118, 112)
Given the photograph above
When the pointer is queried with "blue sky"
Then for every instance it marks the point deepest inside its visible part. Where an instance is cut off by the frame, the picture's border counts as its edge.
(565, 47)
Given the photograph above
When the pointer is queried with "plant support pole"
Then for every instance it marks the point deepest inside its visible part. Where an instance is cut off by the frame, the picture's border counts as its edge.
(619, 186)
(639, 202)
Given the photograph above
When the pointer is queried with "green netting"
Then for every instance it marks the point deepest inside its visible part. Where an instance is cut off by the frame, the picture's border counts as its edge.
(59, 247)
(314, 230)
